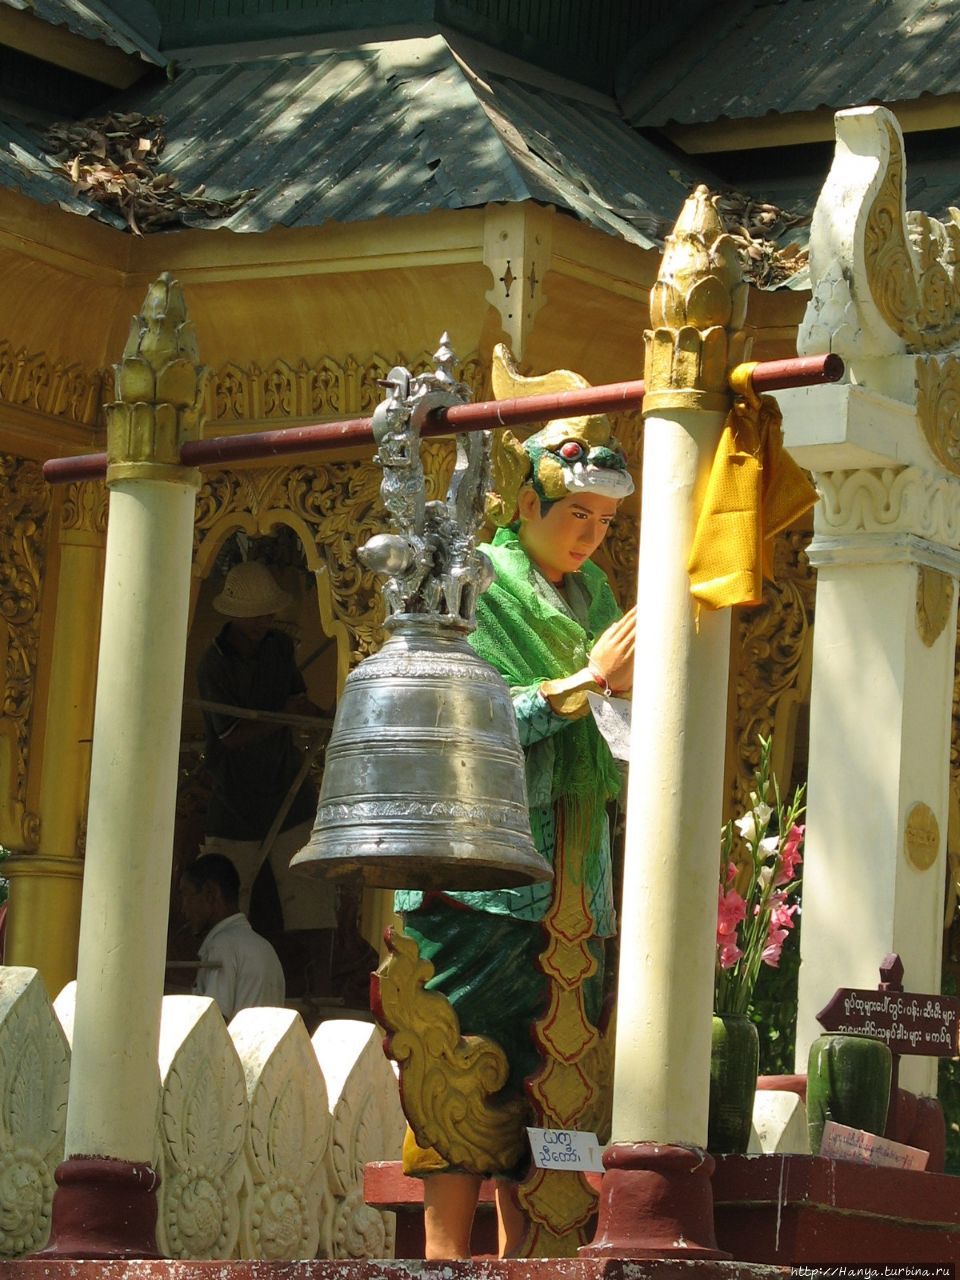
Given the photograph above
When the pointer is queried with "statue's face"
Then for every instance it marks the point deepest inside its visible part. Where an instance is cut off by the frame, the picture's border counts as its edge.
(568, 535)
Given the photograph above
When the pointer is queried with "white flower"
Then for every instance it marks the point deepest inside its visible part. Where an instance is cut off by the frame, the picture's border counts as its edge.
(770, 845)
(752, 823)
(766, 875)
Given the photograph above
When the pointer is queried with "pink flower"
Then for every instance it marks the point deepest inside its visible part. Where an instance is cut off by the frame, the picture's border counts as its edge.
(731, 909)
(790, 855)
(781, 922)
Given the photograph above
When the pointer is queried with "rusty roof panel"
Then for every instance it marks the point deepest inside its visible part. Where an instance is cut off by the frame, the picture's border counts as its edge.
(782, 56)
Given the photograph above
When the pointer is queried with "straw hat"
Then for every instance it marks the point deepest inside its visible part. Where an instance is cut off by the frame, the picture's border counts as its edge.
(250, 591)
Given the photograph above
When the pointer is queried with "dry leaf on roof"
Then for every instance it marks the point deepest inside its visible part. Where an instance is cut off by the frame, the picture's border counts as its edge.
(755, 227)
(114, 160)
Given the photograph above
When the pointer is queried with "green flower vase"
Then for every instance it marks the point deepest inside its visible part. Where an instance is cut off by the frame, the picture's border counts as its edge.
(848, 1081)
(734, 1059)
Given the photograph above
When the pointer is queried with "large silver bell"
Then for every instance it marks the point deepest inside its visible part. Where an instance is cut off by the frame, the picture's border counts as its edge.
(424, 784)
(424, 780)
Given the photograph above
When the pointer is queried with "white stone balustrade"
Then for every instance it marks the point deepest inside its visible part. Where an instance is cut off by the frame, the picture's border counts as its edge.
(365, 1108)
(34, 1077)
(261, 1134)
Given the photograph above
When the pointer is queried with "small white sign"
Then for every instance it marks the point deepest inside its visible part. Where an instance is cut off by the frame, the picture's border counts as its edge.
(840, 1142)
(566, 1149)
(613, 720)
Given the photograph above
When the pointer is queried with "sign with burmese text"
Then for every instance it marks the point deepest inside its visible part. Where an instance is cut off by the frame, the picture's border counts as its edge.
(840, 1142)
(906, 1021)
(566, 1149)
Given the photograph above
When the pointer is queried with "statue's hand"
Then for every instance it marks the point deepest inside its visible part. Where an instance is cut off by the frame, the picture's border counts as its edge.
(611, 657)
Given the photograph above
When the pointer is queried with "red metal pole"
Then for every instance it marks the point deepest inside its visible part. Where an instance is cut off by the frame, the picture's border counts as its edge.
(611, 398)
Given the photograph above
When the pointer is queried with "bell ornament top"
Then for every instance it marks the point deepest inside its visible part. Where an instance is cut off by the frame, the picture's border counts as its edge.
(432, 570)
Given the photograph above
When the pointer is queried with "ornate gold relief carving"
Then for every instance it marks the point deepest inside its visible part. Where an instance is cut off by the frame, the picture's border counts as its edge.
(921, 837)
(771, 682)
(934, 602)
(43, 383)
(85, 507)
(938, 407)
(285, 392)
(24, 507)
(911, 262)
(697, 310)
(447, 1080)
(334, 507)
(621, 546)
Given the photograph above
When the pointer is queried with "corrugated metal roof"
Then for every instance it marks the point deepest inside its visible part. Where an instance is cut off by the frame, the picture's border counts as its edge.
(756, 56)
(400, 129)
(24, 168)
(98, 20)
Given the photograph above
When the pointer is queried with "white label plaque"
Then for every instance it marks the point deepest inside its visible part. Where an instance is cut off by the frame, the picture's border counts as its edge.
(566, 1149)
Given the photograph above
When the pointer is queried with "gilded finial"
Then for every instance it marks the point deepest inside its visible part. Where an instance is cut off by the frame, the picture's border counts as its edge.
(697, 310)
(159, 383)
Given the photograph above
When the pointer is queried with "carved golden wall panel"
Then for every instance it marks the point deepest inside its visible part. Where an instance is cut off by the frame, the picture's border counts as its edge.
(911, 262)
(24, 509)
(334, 507)
(310, 392)
(618, 555)
(771, 669)
(85, 507)
(47, 385)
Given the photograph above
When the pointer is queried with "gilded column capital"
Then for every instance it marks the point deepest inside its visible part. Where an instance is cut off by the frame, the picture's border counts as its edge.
(697, 309)
(160, 387)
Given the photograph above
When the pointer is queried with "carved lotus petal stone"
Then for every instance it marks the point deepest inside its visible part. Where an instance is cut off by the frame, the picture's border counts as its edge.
(359, 1231)
(203, 1119)
(200, 1216)
(708, 303)
(699, 216)
(26, 1198)
(666, 306)
(368, 1122)
(685, 261)
(177, 383)
(725, 264)
(34, 1075)
(287, 1135)
(135, 380)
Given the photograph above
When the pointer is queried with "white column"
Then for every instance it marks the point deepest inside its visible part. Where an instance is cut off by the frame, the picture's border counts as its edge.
(884, 450)
(880, 721)
(114, 1076)
(674, 806)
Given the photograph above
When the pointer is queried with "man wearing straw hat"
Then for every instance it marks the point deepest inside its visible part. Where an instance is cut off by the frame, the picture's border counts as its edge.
(255, 764)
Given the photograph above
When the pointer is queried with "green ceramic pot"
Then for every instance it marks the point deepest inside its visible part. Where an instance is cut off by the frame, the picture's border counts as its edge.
(734, 1059)
(848, 1081)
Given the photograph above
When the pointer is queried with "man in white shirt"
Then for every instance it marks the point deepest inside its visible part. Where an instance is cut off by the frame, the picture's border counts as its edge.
(244, 970)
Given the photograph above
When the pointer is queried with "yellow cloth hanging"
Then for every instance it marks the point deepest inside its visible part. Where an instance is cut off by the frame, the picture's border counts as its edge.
(755, 489)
